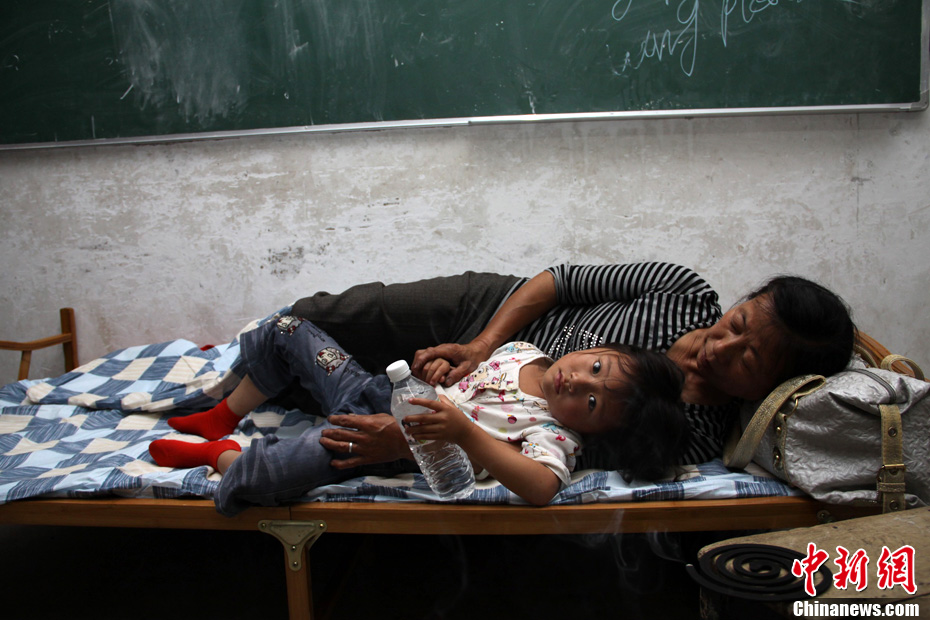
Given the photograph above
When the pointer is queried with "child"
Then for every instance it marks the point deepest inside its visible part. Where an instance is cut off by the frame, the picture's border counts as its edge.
(519, 404)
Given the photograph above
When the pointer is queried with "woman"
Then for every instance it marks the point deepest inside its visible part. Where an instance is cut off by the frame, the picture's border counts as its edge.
(788, 327)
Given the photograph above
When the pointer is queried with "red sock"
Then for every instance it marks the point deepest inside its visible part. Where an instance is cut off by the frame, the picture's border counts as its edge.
(212, 424)
(183, 454)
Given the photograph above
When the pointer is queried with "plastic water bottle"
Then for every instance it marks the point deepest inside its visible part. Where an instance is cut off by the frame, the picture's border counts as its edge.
(444, 464)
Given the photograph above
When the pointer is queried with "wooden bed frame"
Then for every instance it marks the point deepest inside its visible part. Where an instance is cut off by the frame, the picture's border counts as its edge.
(298, 526)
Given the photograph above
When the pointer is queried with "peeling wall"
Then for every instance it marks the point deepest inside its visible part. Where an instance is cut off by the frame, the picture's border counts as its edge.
(193, 240)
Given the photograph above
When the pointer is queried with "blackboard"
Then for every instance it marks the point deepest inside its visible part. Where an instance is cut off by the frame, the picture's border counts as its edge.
(105, 70)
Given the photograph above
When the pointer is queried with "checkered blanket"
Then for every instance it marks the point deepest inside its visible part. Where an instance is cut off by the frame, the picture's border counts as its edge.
(87, 432)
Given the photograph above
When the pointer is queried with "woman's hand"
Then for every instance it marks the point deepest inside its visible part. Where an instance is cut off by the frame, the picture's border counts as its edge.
(446, 422)
(375, 438)
(461, 359)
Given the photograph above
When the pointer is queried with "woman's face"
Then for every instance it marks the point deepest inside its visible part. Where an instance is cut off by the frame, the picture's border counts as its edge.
(739, 353)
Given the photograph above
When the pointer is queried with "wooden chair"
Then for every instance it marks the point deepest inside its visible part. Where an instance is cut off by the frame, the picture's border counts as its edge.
(67, 338)
(877, 355)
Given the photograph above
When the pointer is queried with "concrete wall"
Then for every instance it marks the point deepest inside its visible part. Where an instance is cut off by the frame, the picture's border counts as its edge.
(192, 240)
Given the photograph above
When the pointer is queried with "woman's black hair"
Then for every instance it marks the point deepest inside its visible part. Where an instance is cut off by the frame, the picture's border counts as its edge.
(654, 432)
(816, 331)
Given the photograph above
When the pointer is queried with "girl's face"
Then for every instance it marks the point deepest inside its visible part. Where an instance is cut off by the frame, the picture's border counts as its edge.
(580, 390)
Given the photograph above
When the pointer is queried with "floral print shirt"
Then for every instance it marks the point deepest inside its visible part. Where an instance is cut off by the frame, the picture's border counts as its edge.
(492, 398)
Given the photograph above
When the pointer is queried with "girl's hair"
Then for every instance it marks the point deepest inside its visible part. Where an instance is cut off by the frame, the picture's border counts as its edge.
(654, 432)
(815, 331)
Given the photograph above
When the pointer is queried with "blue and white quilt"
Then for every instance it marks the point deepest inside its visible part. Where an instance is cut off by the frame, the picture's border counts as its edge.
(87, 433)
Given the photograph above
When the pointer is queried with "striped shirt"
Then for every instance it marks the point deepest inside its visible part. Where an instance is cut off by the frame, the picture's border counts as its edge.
(649, 305)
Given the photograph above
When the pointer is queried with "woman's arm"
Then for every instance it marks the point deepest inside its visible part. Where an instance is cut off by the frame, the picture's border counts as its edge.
(532, 481)
(528, 303)
(595, 284)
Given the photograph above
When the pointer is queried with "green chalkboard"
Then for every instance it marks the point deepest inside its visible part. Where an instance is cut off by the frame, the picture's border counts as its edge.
(88, 70)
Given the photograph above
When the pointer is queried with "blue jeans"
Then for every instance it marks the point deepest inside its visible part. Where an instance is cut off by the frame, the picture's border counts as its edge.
(273, 471)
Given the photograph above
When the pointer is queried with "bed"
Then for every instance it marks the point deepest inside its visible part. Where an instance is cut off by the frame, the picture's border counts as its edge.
(74, 451)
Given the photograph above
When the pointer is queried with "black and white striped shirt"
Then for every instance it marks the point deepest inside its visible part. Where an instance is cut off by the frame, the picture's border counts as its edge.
(649, 305)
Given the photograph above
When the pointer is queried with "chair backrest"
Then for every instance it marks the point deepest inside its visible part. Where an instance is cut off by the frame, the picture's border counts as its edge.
(877, 355)
(67, 338)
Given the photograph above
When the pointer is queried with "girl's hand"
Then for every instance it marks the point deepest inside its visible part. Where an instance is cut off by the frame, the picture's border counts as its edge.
(434, 371)
(529, 479)
(462, 359)
(446, 422)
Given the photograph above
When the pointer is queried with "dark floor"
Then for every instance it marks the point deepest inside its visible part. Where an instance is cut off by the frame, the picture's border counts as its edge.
(62, 572)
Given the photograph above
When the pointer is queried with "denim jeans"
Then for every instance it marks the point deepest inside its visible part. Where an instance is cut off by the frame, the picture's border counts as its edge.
(274, 470)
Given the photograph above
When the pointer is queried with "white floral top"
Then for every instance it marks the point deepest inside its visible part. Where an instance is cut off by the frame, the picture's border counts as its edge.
(492, 398)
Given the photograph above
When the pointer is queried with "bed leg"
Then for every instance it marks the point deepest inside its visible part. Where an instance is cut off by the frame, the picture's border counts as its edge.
(297, 537)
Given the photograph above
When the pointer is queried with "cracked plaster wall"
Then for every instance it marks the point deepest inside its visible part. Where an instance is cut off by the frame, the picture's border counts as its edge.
(193, 240)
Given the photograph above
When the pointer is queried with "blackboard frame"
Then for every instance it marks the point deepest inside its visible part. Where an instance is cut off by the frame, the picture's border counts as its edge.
(466, 121)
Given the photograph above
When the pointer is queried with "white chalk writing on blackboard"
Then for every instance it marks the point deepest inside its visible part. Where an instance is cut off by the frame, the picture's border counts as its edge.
(748, 9)
(680, 39)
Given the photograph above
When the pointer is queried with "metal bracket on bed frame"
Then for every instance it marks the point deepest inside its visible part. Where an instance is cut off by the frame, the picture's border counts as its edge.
(296, 536)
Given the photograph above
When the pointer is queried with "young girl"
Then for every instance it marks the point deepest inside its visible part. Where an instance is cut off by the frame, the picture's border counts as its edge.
(524, 416)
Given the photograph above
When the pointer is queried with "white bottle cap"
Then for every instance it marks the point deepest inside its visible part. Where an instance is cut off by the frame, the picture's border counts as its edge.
(398, 371)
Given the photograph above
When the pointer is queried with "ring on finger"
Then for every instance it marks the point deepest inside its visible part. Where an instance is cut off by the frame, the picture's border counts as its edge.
(350, 447)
